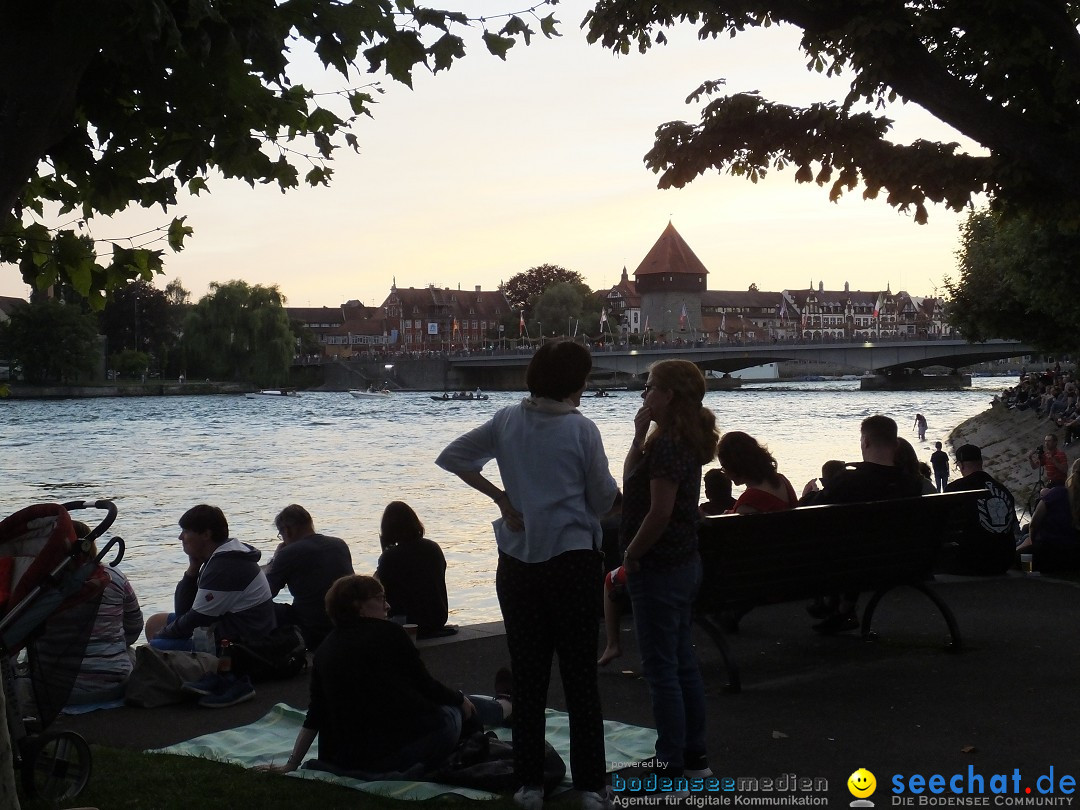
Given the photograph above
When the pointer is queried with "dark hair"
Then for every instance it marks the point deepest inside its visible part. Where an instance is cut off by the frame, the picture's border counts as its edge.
(905, 457)
(717, 485)
(558, 369)
(830, 469)
(937, 445)
(691, 422)
(399, 525)
(744, 457)
(293, 515)
(345, 596)
(879, 430)
(203, 518)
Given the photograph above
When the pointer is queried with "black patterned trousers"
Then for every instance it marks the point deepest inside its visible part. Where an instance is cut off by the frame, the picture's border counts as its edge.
(549, 609)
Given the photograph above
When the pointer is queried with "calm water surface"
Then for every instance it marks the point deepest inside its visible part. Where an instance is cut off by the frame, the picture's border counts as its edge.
(345, 458)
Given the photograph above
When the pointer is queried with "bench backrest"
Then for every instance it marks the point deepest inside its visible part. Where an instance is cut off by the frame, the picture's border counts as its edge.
(815, 550)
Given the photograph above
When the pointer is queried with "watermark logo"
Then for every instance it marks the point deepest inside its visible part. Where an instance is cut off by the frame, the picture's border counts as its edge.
(862, 784)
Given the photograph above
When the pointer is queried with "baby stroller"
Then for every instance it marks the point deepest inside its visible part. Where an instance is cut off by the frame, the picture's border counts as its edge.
(50, 589)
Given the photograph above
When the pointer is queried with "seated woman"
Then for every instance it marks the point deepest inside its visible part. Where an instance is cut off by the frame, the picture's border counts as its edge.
(374, 706)
(102, 670)
(751, 464)
(906, 459)
(1053, 538)
(412, 569)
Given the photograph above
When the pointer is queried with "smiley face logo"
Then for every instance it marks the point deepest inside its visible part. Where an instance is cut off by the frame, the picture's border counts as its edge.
(862, 784)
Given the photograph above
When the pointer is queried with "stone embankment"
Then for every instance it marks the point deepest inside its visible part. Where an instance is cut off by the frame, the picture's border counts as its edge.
(1007, 437)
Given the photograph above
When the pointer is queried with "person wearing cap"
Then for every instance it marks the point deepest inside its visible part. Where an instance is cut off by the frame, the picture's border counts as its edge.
(991, 550)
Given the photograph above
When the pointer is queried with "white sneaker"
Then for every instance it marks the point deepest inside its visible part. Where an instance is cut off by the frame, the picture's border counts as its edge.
(530, 798)
(591, 800)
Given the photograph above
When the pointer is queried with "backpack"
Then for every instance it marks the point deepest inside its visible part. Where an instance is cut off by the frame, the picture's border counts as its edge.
(485, 762)
(280, 655)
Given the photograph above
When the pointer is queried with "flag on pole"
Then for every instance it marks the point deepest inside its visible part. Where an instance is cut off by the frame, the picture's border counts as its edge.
(454, 327)
(646, 329)
(682, 317)
(723, 322)
(603, 315)
(521, 323)
(783, 310)
(877, 314)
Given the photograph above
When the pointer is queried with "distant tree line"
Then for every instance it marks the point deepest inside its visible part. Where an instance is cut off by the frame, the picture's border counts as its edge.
(237, 331)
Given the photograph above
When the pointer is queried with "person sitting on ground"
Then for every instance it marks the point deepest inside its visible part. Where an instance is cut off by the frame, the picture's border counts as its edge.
(1054, 462)
(875, 478)
(374, 706)
(412, 569)
(102, 670)
(308, 563)
(751, 464)
(939, 460)
(1053, 538)
(991, 550)
(717, 493)
(907, 461)
(223, 587)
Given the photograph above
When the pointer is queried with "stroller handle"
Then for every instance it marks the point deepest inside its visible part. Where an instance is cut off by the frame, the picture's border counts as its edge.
(101, 528)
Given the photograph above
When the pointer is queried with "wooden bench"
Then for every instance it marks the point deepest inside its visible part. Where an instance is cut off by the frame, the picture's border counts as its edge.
(804, 553)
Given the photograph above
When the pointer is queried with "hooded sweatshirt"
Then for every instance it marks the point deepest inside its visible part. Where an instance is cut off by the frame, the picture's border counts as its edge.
(231, 591)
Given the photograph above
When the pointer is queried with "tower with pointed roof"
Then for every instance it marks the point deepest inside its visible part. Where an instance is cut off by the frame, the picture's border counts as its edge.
(670, 281)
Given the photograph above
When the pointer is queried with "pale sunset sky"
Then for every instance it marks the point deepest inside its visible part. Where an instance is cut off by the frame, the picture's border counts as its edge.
(494, 167)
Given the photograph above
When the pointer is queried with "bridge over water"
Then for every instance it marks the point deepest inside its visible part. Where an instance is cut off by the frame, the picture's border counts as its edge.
(879, 356)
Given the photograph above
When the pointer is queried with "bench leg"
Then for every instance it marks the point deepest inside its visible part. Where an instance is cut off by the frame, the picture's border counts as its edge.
(952, 642)
(711, 625)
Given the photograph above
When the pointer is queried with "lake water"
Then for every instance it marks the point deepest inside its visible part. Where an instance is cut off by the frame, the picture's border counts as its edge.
(344, 459)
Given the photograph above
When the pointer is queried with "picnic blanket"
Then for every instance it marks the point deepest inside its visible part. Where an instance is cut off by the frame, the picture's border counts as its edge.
(270, 739)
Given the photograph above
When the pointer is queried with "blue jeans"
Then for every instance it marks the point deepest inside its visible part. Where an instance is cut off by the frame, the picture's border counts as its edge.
(663, 602)
(438, 744)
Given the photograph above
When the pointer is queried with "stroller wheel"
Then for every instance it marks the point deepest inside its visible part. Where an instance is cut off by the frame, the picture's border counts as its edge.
(55, 766)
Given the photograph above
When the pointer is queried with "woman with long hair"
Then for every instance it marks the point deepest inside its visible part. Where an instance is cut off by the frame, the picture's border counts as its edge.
(557, 486)
(1054, 532)
(412, 569)
(749, 463)
(661, 489)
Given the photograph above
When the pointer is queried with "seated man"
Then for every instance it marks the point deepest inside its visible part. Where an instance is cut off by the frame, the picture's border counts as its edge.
(223, 586)
(308, 563)
(991, 550)
(875, 478)
(1054, 462)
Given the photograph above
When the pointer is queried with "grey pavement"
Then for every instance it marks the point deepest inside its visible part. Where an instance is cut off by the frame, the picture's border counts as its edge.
(814, 707)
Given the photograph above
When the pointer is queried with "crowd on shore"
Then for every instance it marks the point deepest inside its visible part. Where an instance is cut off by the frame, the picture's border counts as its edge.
(376, 710)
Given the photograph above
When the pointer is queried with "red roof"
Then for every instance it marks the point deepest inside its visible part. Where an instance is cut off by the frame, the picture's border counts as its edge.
(669, 256)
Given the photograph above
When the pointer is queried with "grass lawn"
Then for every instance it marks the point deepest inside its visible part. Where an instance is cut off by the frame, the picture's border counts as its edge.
(130, 780)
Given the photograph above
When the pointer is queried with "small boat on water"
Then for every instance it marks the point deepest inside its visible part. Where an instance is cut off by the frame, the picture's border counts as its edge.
(460, 398)
(371, 393)
(272, 392)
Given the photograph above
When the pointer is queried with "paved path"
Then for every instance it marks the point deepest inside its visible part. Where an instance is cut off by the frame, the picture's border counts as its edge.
(816, 707)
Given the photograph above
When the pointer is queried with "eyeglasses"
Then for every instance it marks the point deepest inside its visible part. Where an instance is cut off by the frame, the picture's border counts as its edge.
(650, 386)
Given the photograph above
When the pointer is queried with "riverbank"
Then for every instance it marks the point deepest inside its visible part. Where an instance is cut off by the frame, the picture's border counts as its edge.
(1007, 437)
(127, 389)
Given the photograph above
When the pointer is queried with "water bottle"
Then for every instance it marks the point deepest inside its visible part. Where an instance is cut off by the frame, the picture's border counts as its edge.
(203, 640)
